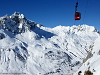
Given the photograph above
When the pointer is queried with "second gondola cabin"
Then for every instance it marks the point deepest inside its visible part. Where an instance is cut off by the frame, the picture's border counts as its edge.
(77, 16)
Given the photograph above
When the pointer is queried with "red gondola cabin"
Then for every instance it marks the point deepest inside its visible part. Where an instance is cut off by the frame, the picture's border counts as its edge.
(77, 16)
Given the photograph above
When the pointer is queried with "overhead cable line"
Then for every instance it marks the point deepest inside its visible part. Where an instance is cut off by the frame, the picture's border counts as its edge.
(86, 10)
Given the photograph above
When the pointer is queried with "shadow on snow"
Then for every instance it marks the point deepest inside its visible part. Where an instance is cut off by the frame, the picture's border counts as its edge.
(43, 33)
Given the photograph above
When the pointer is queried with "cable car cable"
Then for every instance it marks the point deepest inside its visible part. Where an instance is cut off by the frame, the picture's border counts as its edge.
(85, 11)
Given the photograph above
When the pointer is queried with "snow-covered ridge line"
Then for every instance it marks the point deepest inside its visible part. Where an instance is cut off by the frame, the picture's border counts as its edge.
(38, 50)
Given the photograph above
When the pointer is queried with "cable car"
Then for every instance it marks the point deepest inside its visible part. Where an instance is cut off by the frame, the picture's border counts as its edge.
(77, 16)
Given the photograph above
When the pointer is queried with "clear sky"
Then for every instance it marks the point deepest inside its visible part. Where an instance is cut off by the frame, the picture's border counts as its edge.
(52, 13)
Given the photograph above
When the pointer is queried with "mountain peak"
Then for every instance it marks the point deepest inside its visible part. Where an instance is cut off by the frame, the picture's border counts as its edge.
(17, 14)
(16, 23)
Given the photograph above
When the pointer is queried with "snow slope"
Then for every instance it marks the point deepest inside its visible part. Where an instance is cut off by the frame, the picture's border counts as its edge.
(92, 63)
(31, 49)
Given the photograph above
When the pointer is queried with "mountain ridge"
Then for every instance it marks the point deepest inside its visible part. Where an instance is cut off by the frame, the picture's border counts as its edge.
(27, 47)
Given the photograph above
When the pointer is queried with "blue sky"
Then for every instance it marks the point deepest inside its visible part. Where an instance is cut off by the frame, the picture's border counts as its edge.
(52, 13)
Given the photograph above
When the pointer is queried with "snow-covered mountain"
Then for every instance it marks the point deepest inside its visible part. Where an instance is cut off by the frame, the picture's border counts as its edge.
(32, 49)
(92, 63)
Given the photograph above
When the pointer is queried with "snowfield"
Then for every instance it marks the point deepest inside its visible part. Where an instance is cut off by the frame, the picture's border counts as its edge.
(27, 48)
